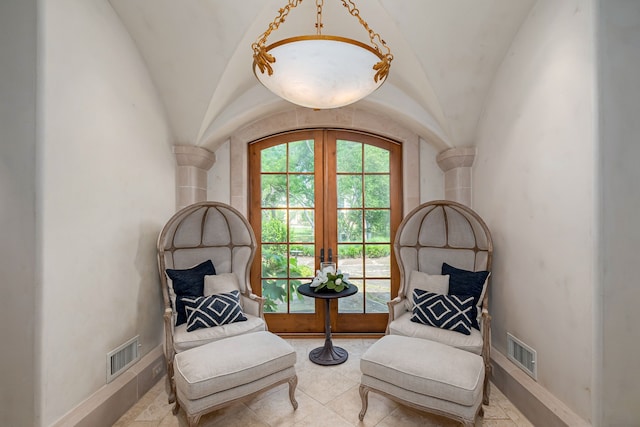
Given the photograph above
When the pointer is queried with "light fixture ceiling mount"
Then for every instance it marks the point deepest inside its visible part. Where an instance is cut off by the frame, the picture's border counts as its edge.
(320, 71)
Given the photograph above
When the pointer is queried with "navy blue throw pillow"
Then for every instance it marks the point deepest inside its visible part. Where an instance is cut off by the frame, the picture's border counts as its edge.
(189, 282)
(213, 310)
(451, 312)
(463, 282)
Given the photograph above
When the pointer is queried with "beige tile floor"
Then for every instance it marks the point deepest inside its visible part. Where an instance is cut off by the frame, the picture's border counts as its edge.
(327, 397)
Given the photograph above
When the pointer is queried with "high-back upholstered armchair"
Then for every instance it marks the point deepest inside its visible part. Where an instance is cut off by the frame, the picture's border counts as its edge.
(200, 232)
(434, 233)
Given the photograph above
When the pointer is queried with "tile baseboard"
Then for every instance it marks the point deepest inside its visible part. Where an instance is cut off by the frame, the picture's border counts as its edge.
(534, 401)
(109, 403)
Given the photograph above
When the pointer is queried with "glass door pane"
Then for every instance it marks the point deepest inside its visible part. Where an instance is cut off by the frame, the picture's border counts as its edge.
(364, 224)
(287, 231)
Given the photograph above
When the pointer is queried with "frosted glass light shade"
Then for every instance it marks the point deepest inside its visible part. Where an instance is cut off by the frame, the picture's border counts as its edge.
(321, 71)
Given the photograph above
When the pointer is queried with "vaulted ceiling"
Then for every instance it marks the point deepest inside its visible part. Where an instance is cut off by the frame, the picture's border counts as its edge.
(446, 54)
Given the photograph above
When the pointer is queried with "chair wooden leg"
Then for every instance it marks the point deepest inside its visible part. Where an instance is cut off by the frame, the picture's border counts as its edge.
(364, 395)
(487, 386)
(172, 383)
(293, 383)
(176, 408)
(193, 420)
(486, 354)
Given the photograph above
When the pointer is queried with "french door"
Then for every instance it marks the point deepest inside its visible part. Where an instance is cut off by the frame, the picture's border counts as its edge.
(330, 193)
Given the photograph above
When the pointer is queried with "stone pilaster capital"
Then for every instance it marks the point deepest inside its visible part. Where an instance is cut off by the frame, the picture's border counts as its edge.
(456, 158)
(191, 155)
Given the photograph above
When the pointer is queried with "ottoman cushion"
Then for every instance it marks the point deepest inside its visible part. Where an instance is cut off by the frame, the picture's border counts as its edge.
(426, 367)
(231, 362)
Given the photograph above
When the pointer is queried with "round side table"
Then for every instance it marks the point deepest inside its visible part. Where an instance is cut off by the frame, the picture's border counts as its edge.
(328, 354)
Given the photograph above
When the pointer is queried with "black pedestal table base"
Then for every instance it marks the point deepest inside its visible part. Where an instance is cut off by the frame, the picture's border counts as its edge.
(328, 354)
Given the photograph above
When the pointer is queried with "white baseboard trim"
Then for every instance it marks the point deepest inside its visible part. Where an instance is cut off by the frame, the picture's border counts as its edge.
(107, 405)
(534, 401)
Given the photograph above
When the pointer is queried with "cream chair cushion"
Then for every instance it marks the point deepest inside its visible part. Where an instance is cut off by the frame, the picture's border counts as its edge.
(183, 340)
(404, 326)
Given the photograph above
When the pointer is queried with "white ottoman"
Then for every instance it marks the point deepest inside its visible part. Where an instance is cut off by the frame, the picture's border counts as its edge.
(223, 372)
(424, 374)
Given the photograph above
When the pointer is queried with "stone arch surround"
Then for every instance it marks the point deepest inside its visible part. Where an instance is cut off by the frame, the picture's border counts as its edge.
(348, 118)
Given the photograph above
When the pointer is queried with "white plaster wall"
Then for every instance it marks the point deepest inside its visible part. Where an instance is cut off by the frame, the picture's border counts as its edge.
(18, 252)
(534, 185)
(218, 178)
(431, 176)
(619, 132)
(107, 178)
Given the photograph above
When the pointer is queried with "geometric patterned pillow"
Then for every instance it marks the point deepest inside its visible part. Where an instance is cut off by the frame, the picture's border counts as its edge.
(451, 312)
(213, 310)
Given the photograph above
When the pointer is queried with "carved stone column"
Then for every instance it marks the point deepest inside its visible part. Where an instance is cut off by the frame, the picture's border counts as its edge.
(456, 164)
(191, 174)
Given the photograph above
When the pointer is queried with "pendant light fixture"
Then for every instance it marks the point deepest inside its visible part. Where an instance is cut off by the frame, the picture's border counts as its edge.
(320, 71)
